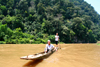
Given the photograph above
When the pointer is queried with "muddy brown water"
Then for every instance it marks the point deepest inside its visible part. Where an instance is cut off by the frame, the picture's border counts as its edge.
(70, 55)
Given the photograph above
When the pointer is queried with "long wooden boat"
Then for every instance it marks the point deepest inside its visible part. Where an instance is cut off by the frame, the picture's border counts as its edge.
(41, 55)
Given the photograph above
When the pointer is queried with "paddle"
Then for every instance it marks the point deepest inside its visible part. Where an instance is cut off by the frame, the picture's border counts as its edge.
(59, 44)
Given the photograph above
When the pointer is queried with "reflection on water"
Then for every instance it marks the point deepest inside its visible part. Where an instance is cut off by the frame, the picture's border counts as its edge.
(32, 63)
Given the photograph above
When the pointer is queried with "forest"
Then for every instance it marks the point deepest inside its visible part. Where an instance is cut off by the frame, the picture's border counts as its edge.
(36, 21)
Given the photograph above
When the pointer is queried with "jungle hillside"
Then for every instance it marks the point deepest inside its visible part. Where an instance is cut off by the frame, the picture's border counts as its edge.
(36, 21)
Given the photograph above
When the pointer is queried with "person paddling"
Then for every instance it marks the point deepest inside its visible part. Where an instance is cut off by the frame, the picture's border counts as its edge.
(49, 47)
(56, 39)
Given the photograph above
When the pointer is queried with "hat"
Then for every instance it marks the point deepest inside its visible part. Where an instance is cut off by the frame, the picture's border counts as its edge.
(49, 40)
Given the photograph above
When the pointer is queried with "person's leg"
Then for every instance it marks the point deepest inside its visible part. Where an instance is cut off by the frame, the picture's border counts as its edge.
(47, 50)
(57, 44)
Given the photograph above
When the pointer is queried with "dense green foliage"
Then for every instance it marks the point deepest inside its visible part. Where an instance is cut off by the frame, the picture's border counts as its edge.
(36, 21)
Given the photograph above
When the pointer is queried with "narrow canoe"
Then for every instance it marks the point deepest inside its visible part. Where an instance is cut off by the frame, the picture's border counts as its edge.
(41, 55)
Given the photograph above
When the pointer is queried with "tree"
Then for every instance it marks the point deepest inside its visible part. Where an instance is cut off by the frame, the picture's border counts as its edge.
(13, 22)
(5, 32)
(10, 3)
(74, 20)
(87, 22)
(3, 2)
(36, 3)
(23, 7)
(4, 10)
(68, 35)
(1, 17)
(32, 17)
(40, 8)
(79, 28)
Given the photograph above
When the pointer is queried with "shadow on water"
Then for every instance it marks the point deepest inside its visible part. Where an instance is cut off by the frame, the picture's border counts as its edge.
(32, 63)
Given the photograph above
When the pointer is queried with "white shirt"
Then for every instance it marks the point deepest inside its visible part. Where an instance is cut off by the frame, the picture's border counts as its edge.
(56, 38)
(49, 46)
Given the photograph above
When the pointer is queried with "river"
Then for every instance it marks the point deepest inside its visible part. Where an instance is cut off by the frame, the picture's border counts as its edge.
(70, 55)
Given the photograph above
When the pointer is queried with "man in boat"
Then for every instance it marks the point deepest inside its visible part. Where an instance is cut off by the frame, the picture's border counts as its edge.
(49, 47)
(56, 39)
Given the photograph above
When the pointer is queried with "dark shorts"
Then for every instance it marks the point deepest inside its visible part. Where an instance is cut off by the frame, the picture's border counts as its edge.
(47, 50)
(56, 42)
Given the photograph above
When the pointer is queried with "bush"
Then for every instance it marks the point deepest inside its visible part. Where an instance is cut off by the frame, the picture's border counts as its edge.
(22, 41)
(1, 17)
(32, 41)
(27, 40)
(37, 42)
(44, 41)
(40, 35)
(14, 41)
(2, 42)
(31, 37)
(52, 38)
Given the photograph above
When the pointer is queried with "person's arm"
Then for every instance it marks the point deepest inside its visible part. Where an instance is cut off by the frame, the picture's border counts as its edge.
(54, 48)
(46, 48)
(55, 37)
(58, 38)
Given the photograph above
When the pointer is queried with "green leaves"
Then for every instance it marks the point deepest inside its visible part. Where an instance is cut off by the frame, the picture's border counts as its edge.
(40, 9)
(68, 34)
(3, 9)
(82, 28)
(5, 33)
(13, 22)
(39, 20)
(51, 38)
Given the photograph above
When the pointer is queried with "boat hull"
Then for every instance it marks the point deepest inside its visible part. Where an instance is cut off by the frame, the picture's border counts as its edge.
(41, 55)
